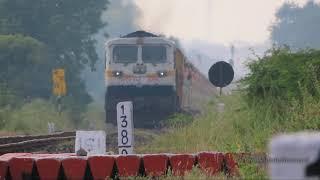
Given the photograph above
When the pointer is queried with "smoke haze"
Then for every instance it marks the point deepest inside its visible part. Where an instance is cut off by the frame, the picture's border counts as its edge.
(121, 17)
(206, 29)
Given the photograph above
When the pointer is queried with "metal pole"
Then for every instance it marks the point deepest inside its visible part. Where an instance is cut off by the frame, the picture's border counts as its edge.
(59, 104)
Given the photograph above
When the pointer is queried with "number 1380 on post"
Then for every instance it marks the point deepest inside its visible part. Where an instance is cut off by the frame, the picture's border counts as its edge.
(125, 127)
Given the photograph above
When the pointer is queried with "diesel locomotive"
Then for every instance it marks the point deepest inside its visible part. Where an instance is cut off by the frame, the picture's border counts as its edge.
(150, 71)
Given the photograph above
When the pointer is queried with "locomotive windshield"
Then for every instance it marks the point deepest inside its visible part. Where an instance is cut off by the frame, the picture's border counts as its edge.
(154, 53)
(125, 54)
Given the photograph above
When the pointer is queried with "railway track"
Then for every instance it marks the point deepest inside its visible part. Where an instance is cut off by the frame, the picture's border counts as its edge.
(34, 142)
(63, 142)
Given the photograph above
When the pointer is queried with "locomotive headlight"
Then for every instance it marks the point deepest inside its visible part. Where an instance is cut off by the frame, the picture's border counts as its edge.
(117, 73)
(162, 74)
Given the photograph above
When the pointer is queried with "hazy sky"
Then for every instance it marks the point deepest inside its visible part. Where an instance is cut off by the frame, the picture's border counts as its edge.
(209, 27)
(216, 21)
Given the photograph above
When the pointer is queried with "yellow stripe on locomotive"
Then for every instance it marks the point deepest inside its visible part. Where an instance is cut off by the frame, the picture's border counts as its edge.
(145, 69)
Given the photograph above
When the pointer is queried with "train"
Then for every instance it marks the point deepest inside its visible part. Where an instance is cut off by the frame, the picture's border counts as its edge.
(152, 72)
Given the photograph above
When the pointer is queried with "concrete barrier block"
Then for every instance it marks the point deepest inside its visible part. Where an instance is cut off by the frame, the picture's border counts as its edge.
(128, 166)
(155, 164)
(4, 163)
(92, 142)
(101, 166)
(182, 163)
(49, 168)
(21, 167)
(210, 162)
(4, 170)
(74, 167)
(231, 165)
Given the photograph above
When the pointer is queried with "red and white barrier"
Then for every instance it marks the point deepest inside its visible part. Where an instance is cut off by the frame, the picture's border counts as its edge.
(19, 166)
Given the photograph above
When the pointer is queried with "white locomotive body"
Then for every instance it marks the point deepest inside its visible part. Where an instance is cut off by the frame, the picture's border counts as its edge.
(140, 67)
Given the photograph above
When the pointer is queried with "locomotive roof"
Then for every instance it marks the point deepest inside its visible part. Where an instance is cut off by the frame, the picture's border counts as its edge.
(139, 34)
(134, 37)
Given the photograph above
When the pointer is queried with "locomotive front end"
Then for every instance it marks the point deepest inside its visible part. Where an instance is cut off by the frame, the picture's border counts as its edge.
(140, 68)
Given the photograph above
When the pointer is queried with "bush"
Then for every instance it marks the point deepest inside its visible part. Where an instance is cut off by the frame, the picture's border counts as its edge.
(282, 75)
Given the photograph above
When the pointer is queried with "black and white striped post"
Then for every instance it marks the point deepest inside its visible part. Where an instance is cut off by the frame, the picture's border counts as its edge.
(125, 127)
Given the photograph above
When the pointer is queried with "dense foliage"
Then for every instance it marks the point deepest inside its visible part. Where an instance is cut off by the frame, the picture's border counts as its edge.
(65, 26)
(22, 61)
(38, 36)
(284, 75)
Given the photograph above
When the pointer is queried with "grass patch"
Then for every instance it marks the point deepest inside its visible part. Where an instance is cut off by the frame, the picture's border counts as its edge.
(212, 131)
(239, 128)
(94, 118)
(178, 120)
(33, 118)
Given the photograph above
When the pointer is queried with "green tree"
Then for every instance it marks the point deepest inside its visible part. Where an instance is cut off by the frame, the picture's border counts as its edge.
(297, 27)
(24, 71)
(66, 28)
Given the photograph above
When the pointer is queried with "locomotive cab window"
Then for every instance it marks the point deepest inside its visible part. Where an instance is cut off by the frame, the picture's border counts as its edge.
(154, 53)
(125, 54)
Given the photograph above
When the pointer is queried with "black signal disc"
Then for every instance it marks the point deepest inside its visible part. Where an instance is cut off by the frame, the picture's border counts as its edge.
(221, 74)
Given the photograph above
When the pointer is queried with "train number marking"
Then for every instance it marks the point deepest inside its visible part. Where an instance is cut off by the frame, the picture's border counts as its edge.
(125, 127)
